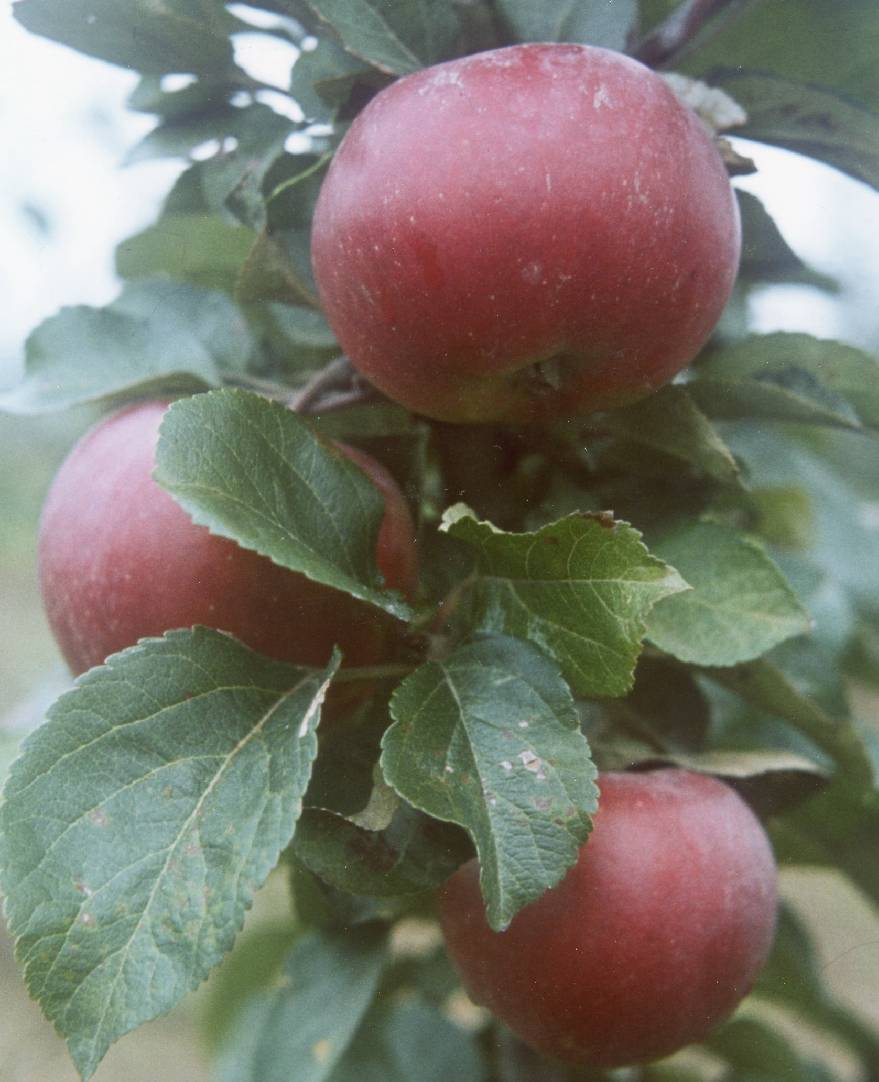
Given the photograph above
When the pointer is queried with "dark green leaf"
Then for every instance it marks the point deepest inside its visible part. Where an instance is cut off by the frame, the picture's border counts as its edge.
(670, 422)
(300, 339)
(141, 819)
(413, 854)
(810, 121)
(303, 1028)
(597, 22)
(489, 739)
(279, 265)
(766, 255)
(739, 607)
(764, 686)
(234, 178)
(253, 471)
(395, 36)
(199, 248)
(410, 1042)
(770, 781)
(173, 36)
(579, 588)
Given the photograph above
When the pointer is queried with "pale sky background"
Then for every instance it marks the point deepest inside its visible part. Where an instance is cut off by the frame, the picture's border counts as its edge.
(65, 201)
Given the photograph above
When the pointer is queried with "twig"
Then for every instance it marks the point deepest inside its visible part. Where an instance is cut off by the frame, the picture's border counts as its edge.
(673, 34)
(335, 376)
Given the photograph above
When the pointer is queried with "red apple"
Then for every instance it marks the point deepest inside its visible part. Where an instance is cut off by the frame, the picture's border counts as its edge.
(652, 938)
(121, 560)
(527, 233)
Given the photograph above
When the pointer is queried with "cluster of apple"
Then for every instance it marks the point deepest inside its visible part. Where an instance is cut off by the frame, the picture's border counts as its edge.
(516, 236)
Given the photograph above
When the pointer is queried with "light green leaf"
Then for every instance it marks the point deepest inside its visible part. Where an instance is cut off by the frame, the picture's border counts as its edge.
(596, 22)
(252, 470)
(156, 339)
(171, 36)
(301, 1030)
(740, 605)
(579, 588)
(489, 739)
(804, 41)
(835, 383)
(141, 819)
(200, 248)
(670, 422)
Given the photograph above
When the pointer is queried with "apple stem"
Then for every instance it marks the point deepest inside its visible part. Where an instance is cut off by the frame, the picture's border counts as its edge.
(674, 34)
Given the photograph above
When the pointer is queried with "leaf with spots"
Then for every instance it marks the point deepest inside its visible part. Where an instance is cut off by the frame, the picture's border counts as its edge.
(490, 739)
(579, 588)
(140, 820)
(252, 470)
(300, 1030)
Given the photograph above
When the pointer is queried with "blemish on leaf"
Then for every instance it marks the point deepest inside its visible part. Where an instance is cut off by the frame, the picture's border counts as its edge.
(98, 818)
(321, 1050)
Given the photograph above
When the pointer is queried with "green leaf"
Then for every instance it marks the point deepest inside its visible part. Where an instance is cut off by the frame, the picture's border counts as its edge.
(808, 120)
(171, 36)
(395, 36)
(838, 470)
(254, 962)
(279, 265)
(489, 739)
(791, 377)
(157, 338)
(758, 1053)
(794, 979)
(804, 41)
(670, 422)
(323, 78)
(234, 179)
(303, 1028)
(607, 23)
(141, 819)
(771, 781)
(410, 1042)
(204, 95)
(178, 135)
(299, 338)
(413, 854)
(766, 255)
(579, 588)
(740, 605)
(173, 311)
(252, 470)
(765, 686)
(199, 248)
